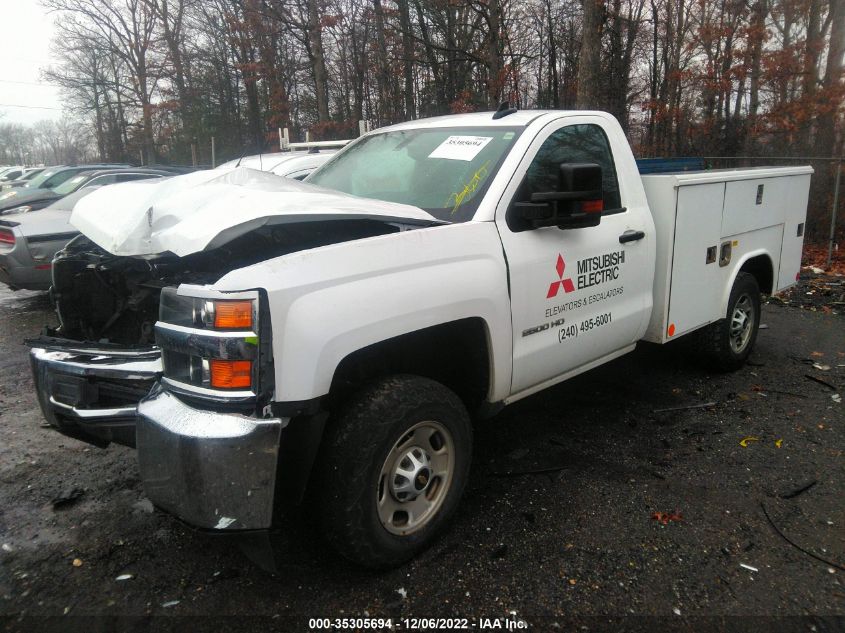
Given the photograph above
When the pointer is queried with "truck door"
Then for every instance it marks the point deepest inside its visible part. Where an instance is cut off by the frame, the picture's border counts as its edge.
(577, 295)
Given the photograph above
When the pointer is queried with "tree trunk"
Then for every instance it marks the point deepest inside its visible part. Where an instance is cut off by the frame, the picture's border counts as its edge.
(495, 77)
(408, 58)
(589, 66)
(834, 91)
(318, 60)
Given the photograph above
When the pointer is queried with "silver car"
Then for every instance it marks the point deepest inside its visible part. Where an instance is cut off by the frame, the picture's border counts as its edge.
(28, 242)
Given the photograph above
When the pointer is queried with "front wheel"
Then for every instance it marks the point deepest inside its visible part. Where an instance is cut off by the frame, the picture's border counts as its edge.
(392, 469)
(728, 342)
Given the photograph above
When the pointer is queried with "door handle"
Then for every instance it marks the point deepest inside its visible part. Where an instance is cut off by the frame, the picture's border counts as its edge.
(631, 236)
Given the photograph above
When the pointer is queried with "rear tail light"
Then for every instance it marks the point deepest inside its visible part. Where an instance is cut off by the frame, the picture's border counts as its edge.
(231, 374)
(7, 237)
(592, 206)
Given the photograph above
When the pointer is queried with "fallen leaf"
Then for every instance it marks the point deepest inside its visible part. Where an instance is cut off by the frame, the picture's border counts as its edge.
(779, 443)
(664, 517)
(573, 581)
(744, 441)
(77, 562)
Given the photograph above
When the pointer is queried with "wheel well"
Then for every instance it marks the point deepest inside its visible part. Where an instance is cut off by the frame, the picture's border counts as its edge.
(454, 354)
(762, 270)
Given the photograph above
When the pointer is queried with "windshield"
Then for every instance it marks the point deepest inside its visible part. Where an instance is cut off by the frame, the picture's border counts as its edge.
(69, 186)
(36, 182)
(444, 171)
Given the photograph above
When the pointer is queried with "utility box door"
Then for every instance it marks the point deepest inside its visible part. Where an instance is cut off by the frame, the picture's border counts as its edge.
(694, 296)
(754, 204)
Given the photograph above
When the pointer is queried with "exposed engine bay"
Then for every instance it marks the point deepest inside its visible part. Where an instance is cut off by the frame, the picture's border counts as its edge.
(103, 298)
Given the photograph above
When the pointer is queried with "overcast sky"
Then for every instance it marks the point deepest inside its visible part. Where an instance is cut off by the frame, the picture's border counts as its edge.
(25, 33)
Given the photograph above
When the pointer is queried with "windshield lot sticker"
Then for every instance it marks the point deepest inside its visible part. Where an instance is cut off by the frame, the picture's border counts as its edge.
(460, 147)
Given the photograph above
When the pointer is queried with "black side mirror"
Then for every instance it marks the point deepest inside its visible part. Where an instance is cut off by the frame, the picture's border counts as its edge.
(576, 204)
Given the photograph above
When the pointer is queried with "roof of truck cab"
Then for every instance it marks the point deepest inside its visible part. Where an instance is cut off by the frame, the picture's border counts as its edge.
(520, 118)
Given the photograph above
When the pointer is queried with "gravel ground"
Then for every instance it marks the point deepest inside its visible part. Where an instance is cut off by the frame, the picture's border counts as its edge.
(586, 505)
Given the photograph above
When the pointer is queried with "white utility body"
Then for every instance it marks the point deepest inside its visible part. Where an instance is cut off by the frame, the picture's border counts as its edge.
(748, 212)
(427, 270)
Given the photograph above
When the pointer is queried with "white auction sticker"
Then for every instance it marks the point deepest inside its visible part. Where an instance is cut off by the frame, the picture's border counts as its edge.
(460, 147)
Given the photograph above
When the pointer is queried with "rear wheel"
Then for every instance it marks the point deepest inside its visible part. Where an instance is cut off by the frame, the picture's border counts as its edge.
(392, 470)
(727, 343)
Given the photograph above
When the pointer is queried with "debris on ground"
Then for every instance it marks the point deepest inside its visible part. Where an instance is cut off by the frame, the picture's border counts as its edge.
(170, 603)
(144, 505)
(744, 442)
(67, 498)
(125, 577)
(532, 471)
(799, 490)
(77, 562)
(404, 594)
(820, 381)
(795, 545)
(665, 517)
(703, 405)
(748, 567)
(836, 398)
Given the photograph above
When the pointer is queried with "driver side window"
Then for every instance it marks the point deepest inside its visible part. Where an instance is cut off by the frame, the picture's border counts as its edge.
(584, 143)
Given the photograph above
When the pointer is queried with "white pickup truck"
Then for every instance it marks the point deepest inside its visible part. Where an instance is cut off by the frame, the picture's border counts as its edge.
(264, 342)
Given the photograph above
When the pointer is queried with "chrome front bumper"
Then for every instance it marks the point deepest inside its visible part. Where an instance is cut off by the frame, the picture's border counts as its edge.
(92, 394)
(213, 470)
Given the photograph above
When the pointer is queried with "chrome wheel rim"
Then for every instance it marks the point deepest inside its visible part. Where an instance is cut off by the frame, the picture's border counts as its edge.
(742, 323)
(415, 478)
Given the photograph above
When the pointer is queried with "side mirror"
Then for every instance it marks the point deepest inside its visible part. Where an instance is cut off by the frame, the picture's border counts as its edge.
(576, 204)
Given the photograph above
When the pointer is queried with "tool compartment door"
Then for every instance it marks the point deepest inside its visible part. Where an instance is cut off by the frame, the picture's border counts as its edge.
(798, 191)
(695, 291)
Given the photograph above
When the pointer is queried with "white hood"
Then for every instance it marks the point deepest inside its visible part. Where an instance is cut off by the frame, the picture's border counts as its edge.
(205, 209)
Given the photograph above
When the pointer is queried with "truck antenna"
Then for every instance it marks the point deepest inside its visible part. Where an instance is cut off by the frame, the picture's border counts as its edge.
(503, 110)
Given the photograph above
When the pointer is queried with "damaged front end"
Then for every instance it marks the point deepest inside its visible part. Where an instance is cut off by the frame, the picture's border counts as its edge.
(106, 354)
(148, 354)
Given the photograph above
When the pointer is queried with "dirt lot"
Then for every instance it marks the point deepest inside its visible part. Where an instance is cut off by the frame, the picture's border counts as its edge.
(585, 503)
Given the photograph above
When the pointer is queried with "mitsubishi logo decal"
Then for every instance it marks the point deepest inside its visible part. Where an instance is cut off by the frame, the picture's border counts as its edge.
(566, 284)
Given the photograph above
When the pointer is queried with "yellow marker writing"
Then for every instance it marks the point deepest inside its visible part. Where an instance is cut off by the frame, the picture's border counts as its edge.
(469, 188)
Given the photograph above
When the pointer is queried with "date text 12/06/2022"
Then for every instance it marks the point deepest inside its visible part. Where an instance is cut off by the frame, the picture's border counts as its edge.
(512, 623)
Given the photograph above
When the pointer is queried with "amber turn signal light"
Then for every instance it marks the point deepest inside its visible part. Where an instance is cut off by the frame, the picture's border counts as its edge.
(233, 314)
(231, 374)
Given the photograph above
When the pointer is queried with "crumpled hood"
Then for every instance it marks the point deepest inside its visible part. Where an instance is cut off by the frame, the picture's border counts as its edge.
(203, 210)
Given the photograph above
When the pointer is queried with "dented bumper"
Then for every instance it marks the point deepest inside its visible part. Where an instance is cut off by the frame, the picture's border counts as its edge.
(92, 394)
(213, 470)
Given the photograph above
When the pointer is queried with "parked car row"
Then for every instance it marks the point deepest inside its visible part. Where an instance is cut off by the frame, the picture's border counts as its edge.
(35, 213)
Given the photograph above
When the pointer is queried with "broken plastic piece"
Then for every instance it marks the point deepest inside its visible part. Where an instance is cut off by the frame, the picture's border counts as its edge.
(224, 522)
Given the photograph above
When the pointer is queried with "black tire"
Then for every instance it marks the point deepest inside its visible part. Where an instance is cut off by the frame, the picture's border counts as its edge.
(349, 480)
(725, 344)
